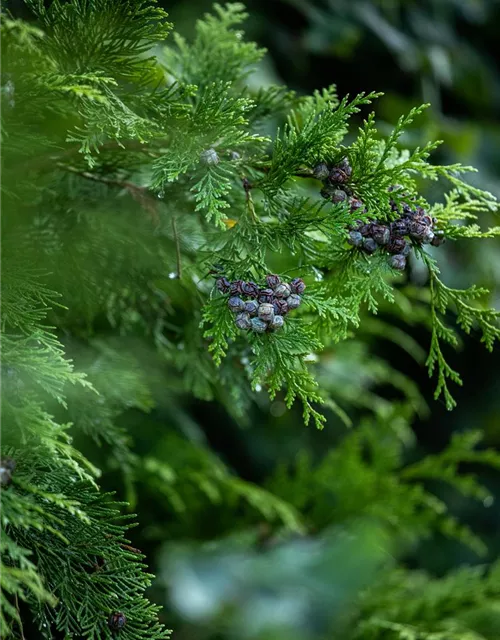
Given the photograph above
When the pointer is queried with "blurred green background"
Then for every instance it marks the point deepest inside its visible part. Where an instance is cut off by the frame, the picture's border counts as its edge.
(440, 51)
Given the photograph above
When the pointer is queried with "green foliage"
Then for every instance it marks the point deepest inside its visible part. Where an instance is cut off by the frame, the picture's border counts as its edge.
(136, 171)
(369, 467)
(53, 505)
(312, 133)
(196, 471)
(111, 38)
(218, 52)
(102, 572)
(412, 605)
(468, 317)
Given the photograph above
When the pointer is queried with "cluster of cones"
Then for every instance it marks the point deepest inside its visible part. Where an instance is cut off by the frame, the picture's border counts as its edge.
(413, 226)
(262, 309)
(335, 183)
(7, 468)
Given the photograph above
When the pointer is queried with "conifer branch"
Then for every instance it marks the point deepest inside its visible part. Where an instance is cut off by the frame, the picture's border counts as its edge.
(139, 193)
(122, 184)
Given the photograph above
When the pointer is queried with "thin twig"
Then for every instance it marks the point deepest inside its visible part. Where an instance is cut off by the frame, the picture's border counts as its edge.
(177, 248)
(247, 186)
(96, 178)
(20, 621)
(140, 194)
(127, 547)
(251, 207)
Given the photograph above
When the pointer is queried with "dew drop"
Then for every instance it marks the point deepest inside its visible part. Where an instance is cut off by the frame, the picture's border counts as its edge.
(318, 276)
(311, 357)
(172, 275)
(161, 194)
(258, 388)
(488, 501)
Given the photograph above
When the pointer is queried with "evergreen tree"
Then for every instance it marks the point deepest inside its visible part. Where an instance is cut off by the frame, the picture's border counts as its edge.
(170, 232)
